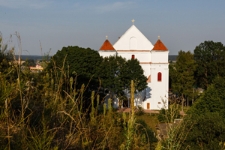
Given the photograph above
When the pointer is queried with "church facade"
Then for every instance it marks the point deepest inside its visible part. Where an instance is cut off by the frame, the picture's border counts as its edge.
(153, 60)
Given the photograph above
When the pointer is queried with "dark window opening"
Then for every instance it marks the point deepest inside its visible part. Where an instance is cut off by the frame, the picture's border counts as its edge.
(159, 76)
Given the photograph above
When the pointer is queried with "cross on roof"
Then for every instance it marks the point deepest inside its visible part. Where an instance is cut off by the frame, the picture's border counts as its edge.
(106, 37)
(133, 21)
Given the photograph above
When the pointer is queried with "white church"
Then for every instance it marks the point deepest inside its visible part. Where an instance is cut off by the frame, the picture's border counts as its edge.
(154, 61)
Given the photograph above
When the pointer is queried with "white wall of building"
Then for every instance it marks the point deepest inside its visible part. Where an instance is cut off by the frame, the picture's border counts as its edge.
(133, 39)
(159, 56)
(159, 91)
(107, 53)
(140, 56)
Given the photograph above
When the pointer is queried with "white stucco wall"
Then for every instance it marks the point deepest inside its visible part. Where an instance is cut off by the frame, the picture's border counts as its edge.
(159, 88)
(133, 39)
(106, 53)
(140, 56)
(159, 56)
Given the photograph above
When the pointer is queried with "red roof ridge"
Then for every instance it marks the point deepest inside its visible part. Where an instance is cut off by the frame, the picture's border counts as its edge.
(159, 46)
(107, 46)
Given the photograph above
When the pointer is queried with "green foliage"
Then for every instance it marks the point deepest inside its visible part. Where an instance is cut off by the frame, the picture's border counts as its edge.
(139, 111)
(168, 116)
(80, 62)
(29, 63)
(116, 74)
(146, 134)
(213, 99)
(210, 58)
(207, 127)
(110, 72)
(182, 75)
(206, 131)
(133, 71)
(162, 116)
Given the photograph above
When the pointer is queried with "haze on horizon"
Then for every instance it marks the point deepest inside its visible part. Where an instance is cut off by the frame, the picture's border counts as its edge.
(53, 24)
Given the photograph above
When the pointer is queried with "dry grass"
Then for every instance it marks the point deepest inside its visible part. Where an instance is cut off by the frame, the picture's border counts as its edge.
(150, 119)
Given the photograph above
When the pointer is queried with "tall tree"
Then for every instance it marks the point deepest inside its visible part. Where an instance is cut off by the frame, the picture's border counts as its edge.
(116, 74)
(110, 72)
(74, 60)
(182, 74)
(210, 57)
(133, 71)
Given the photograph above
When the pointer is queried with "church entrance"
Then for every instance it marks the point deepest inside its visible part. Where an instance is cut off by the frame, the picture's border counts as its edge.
(148, 105)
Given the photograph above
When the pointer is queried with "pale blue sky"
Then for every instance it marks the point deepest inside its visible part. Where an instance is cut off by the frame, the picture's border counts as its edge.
(182, 25)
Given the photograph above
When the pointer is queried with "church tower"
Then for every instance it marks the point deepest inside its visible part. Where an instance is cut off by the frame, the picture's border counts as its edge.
(159, 76)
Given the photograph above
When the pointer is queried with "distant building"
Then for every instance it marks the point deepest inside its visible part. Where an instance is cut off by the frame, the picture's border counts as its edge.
(154, 61)
(37, 68)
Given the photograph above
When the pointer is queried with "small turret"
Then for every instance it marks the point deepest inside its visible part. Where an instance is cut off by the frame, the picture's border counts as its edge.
(107, 49)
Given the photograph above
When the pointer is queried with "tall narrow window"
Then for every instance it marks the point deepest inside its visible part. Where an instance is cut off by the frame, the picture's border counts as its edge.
(159, 76)
(133, 57)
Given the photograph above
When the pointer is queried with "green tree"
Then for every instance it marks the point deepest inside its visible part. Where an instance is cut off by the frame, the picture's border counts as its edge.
(182, 75)
(116, 74)
(109, 73)
(207, 127)
(133, 71)
(76, 61)
(213, 100)
(210, 57)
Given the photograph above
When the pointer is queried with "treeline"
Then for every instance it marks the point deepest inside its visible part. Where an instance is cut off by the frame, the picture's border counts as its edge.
(203, 126)
(193, 71)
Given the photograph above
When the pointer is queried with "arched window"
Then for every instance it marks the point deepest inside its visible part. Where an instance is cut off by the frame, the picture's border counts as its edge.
(159, 76)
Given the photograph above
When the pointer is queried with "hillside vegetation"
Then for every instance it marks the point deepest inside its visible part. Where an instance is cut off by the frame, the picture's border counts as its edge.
(63, 107)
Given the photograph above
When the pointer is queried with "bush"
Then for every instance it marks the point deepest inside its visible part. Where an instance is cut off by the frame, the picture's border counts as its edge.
(139, 111)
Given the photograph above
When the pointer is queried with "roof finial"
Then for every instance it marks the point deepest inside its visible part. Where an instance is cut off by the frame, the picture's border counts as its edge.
(106, 37)
(159, 37)
(133, 21)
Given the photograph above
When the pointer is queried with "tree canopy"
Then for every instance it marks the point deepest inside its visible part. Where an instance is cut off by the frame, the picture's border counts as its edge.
(76, 61)
(133, 71)
(213, 99)
(207, 127)
(210, 57)
(182, 74)
(110, 73)
(116, 74)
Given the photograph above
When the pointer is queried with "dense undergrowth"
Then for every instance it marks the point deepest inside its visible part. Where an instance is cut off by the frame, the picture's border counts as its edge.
(37, 113)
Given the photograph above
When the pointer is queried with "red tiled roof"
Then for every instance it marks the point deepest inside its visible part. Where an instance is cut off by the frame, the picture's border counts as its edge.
(107, 46)
(159, 46)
